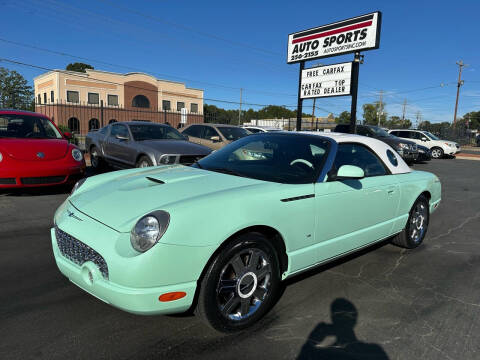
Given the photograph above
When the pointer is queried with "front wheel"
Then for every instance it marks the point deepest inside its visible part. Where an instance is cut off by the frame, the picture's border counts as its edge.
(437, 153)
(417, 225)
(143, 162)
(240, 285)
(96, 160)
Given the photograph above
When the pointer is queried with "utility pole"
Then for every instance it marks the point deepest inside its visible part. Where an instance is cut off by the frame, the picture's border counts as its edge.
(419, 117)
(459, 83)
(380, 110)
(313, 110)
(404, 108)
(240, 108)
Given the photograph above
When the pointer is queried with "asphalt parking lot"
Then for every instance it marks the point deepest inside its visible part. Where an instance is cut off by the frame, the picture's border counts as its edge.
(420, 304)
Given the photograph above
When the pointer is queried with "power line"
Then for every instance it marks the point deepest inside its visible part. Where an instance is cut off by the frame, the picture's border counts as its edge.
(131, 86)
(190, 29)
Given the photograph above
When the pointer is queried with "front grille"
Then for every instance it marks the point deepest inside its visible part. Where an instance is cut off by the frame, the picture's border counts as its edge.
(78, 252)
(7, 181)
(189, 159)
(42, 180)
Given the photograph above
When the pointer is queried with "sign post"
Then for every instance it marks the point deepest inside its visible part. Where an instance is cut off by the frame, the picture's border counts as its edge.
(343, 37)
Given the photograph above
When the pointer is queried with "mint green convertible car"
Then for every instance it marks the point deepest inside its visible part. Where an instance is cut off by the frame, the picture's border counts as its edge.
(220, 236)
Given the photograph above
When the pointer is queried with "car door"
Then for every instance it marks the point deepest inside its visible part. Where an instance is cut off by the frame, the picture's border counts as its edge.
(121, 150)
(194, 133)
(353, 213)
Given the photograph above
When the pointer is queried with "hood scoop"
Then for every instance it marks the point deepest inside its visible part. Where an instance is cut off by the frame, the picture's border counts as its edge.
(158, 181)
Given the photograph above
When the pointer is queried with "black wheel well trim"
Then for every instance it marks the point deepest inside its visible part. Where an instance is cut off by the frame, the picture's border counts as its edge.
(269, 232)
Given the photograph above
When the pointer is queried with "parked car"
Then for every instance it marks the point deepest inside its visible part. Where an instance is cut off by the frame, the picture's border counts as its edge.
(478, 140)
(257, 129)
(424, 153)
(141, 144)
(222, 234)
(214, 136)
(406, 149)
(34, 152)
(438, 147)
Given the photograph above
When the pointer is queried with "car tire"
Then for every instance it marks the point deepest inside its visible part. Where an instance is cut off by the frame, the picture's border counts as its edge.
(437, 153)
(95, 160)
(236, 292)
(417, 224)
(143, 161)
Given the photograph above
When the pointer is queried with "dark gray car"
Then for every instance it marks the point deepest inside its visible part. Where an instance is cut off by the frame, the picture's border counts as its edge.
(141, 144)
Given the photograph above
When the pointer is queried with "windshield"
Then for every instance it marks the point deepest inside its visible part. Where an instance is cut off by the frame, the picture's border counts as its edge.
(431, 136)
(283, 158)
(142, 132)
(379, 131)
(27, 127)
(233, 133)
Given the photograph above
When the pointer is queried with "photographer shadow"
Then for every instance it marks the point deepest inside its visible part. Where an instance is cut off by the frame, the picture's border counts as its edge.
(346, 345)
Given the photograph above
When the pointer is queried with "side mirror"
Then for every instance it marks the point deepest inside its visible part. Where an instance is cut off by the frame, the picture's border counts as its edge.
(349, 172)
(424, 138)
(121, 137)
(215, 138)
(68, 135)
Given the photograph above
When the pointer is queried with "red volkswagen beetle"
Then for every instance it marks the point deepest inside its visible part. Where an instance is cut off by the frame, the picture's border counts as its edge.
(33, 152)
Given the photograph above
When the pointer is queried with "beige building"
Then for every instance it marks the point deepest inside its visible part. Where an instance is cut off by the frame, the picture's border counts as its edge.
(121, 97)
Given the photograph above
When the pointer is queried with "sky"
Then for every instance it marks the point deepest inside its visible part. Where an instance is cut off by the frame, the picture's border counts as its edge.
(223, 46)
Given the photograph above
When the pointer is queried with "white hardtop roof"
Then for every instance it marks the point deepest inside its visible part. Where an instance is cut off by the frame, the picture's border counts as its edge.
(378, 146)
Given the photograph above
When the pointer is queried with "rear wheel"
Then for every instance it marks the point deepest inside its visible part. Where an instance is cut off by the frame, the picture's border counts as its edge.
(417, 225)
(240, 285)
(437, 153)
(144, 161)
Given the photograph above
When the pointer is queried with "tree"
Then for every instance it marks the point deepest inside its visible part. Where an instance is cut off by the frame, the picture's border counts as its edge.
(343, 118)
(371, 113)
(14, 90)
(78, 67)
(473, 119)
(395, 122)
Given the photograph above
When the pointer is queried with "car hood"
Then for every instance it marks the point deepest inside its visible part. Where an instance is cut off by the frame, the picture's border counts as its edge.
(393, 141)
(119, 199)
(31, 149)
(182, 147)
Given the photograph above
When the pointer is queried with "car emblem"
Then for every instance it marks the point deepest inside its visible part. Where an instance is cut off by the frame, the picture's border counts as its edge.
(72, 215)
(40, 155)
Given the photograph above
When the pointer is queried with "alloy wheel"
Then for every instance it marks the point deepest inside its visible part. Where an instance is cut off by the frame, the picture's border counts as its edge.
(418, 222)
(244, 284)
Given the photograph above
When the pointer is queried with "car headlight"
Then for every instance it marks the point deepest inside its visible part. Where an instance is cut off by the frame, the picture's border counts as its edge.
(1, 157)
(77, 185)
(148, 230)
(77, 155)
(168, 159)
(403, 146)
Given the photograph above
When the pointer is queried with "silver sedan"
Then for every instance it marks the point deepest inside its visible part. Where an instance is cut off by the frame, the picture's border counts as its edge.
(141, 144)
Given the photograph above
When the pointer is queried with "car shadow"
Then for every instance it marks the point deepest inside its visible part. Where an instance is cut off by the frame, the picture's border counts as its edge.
(344, 316)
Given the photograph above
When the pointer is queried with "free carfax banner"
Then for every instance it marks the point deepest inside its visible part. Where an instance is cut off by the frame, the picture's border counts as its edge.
(343, 37)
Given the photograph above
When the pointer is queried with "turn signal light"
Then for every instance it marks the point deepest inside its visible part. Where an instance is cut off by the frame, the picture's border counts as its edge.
(172, 296)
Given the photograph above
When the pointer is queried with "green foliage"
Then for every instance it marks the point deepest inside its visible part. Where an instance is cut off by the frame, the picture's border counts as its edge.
(343, 118)
(214, 114)
(371, 112)
(78, 67)
(14, 91)
(473, 119)
(395, 122)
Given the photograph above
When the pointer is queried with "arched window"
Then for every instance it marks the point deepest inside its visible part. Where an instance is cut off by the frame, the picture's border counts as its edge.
(112, 121)
(74, 125)
(140, 101)
(93, 124)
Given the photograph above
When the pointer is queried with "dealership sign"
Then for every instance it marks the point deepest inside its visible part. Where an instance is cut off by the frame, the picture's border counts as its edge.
(343, 37)
(323, 81)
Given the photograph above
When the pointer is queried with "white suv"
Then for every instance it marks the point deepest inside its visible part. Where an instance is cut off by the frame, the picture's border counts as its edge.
(438, 147)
